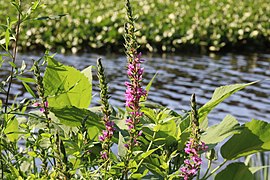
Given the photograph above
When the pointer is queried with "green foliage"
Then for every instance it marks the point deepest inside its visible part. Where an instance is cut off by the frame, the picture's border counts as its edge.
(219, 95)
(236, 171)
(66, 86)
(12, 129)
(217, 133)
(256, 133)
(73, 116)
(65, 135)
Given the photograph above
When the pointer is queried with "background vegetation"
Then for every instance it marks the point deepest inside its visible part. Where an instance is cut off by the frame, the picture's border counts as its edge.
(164, 25)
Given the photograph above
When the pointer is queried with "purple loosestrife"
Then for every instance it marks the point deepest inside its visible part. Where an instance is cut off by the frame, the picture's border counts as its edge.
(193, 162)
(106, 136)
(194, 146)
(133, 94)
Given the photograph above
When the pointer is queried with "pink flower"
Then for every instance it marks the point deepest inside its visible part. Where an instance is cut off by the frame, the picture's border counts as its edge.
(133, 94)
(193, 163)
(104, 155)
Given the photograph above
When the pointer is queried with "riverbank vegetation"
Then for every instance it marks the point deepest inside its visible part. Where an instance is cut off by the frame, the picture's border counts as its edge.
(56, 134)
(165, 25)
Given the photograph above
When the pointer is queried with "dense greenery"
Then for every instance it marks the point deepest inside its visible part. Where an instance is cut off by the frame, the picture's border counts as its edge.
(164, 25)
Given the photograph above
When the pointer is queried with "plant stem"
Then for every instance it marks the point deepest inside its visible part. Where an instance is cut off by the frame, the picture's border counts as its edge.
(14, 56)
(148, 148)
(208, 168)
(214, 170)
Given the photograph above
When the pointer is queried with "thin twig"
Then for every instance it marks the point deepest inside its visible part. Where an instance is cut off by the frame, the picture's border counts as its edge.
(14, 56)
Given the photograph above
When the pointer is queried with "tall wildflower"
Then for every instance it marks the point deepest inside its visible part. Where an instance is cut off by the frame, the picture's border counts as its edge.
(105, 137)
(41, 91)
(134, 90)
(193, 147)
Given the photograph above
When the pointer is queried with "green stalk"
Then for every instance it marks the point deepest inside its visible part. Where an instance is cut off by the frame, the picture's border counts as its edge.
(214, 170)
(148, 148)
(14, 56)
(208, 168)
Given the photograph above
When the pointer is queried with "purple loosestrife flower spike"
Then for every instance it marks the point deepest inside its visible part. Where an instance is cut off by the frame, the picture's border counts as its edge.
(107, 134)
(134, 90)
(193, 162)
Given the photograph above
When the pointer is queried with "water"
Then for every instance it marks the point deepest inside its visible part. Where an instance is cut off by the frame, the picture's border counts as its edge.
(181, 75)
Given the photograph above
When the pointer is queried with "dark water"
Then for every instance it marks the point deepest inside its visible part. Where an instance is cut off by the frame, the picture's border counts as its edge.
(181, 75)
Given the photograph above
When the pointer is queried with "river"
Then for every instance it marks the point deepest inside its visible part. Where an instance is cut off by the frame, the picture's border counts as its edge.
(179, 76)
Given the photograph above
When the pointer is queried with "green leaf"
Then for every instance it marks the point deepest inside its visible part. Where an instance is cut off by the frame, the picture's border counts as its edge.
(220, 94)
(122, 150)
(253, 170)
(144, 98)
(93, 133)
(7, 38)
(32, 153)
(255, 137)
(12, 129)
(88, 73)
(235, 171)
(13, 64)
(66, 86)
(148, 153)
(73, 116)
(28, 89)
(217, 133)
(139, 175)
(27, 80)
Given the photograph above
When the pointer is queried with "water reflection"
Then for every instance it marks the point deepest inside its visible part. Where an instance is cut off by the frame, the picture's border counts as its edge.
(181, 75)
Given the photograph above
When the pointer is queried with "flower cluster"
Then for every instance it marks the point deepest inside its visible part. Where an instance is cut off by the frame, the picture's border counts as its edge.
(106, 137)
(41, 105)
(134, 90)
(193, 163)
(133, 94)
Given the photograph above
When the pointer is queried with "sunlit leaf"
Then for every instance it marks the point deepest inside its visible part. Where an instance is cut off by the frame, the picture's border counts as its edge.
(219, 95)
(66, 86)
(12, 129)
(255, 137)
(219, 132)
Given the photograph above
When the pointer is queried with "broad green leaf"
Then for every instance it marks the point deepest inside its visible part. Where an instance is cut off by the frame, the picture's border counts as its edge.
(220, 94)
(255, 137)
(73, 116)
(66, 86)
(122, 150)
(221, 131)
(12, 129)
(235, 171)
(88, 73)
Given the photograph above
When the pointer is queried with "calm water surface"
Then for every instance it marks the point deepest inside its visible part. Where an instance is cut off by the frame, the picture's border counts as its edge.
(181, 75)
